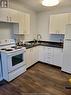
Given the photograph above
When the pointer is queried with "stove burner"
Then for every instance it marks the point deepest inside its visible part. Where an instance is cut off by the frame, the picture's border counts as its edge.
(6, 49)
(3, 49)
(12, 48)
(16, 47)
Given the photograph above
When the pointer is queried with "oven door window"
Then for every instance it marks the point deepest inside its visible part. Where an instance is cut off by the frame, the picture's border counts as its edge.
(17, 59)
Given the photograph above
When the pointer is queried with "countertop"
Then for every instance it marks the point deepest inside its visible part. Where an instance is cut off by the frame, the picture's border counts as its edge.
(43, 43)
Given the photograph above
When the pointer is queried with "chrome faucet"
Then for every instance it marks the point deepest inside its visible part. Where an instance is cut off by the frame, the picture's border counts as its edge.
(39, 37)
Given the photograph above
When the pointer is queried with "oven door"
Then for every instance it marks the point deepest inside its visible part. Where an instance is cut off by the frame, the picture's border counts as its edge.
(16, 60)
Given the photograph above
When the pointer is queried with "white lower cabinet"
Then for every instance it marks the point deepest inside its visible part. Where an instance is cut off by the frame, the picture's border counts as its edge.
(41, 53)
(58, 57)
(44, 54)
(28, 58)
(36, 49)
(31, 56)
(51, 55)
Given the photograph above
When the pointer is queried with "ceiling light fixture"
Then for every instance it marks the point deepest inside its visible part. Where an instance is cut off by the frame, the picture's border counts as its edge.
(50, 2)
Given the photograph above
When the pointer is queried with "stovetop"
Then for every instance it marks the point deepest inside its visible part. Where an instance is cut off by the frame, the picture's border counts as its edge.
(12, 49)
(16, 47)
(7, 49)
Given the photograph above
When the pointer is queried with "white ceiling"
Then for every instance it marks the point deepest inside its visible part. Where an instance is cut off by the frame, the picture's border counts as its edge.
(36, 4)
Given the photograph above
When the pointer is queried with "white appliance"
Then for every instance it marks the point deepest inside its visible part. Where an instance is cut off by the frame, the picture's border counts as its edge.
(66, 66)
(13, 59)
(4, 44)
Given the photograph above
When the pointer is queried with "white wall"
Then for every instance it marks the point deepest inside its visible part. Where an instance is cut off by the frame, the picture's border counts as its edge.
(43, 24)
(5, 31)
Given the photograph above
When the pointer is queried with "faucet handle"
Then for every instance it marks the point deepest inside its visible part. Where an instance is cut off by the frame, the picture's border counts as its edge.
(39, 37)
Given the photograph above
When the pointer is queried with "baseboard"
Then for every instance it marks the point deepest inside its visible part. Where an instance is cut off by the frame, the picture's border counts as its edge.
(32, 65)
(46, 64)
(66, 72)
(49, 64)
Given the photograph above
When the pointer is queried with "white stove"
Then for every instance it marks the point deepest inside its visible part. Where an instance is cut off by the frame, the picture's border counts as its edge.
(12, 58)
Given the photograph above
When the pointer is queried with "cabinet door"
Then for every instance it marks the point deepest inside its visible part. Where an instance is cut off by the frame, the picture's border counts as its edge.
(28, 58)
(19, 27)
(8, 15)
(58, 57)
(31, 56)
(47, 55)
(57, 23)
(69, 18)
(4, 15)
(62, 21)
(51, 55)
(21, 23)
(53, 26)
(41, 53)
(13, 16)
(36, 49)
(26, 23)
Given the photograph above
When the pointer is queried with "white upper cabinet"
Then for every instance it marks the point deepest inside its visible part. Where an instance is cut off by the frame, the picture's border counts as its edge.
(3, 15)
(21, 19)
(21, 24)
(8, 15)
(24, 24)
(69, 18)
(13, 15)
(58, 23)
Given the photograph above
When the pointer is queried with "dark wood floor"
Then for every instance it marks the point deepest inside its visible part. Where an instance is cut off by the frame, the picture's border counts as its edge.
(41, 79)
